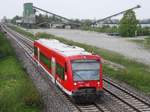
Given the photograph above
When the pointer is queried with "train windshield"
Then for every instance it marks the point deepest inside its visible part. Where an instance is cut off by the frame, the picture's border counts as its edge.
(84, 70)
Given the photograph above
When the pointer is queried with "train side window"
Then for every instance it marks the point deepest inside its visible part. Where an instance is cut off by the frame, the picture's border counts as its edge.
(60, 71)
(65, 67)
(57, 69)
(35, 51)
(45, 60)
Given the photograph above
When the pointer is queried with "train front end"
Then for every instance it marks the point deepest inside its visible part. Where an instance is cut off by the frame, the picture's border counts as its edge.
(87, 78)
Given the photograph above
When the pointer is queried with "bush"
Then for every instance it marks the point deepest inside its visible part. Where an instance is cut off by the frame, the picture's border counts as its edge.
(32, 100)
(148, 40)
(143, 31)
(103, 29)
(128, 24)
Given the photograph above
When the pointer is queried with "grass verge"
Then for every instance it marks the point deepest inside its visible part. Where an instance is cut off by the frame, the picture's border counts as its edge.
(144, 43)
(21, 31)
(17, 92)
(134, 74)
(103, 29)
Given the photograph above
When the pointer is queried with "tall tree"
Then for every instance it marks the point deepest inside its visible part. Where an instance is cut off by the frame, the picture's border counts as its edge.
(15, 18)
(128, 24)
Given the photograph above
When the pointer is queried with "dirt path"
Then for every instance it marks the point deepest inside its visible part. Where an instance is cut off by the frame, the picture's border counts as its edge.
(119, 45)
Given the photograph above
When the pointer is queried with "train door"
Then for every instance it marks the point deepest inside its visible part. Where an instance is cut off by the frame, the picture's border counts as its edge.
(53, 66)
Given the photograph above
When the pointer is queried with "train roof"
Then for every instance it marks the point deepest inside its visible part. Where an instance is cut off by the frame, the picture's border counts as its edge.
(62, 48)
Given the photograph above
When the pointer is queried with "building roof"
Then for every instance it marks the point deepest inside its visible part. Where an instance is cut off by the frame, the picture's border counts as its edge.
(62, 48)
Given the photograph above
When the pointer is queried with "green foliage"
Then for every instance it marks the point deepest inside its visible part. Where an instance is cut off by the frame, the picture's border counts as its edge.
(148, 39)
(147, 42)
(17, 93)
(22, 31)
(86, 23)
(103, 29)
(5, 49)
(128, 24)
(143, 31)
(15, 18)
(41, 19)
(144, 43)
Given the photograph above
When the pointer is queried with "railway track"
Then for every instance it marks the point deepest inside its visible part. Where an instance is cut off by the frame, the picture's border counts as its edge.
(129, 100)
(121, 95)
(26, 41)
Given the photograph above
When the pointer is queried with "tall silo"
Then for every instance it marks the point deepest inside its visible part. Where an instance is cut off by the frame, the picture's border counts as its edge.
(28, 13)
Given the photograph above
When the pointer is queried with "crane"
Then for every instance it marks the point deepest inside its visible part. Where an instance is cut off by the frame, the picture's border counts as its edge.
(64, 19)
(72, 23)
(109, 17)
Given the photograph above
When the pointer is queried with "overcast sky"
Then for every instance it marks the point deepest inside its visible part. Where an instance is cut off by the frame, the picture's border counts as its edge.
(82, 9)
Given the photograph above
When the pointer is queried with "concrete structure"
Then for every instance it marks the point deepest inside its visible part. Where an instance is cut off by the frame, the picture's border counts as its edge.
(4, 19)
(28, 14)
(66, 23)
(19, 21)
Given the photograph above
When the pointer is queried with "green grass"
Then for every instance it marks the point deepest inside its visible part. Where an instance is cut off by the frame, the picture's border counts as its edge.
(135, 74)
(147, 42)
(144, 43)
(17, 93)
(103, 29)
(22, 31)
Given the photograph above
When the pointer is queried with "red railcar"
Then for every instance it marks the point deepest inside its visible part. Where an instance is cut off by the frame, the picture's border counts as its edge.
(75, 71)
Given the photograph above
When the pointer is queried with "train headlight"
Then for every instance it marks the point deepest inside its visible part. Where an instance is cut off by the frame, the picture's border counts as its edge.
(65, 77)
(75, 84)
(98, 83)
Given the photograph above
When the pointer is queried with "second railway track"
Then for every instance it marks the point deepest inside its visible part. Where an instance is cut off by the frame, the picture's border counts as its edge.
(127, 97)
